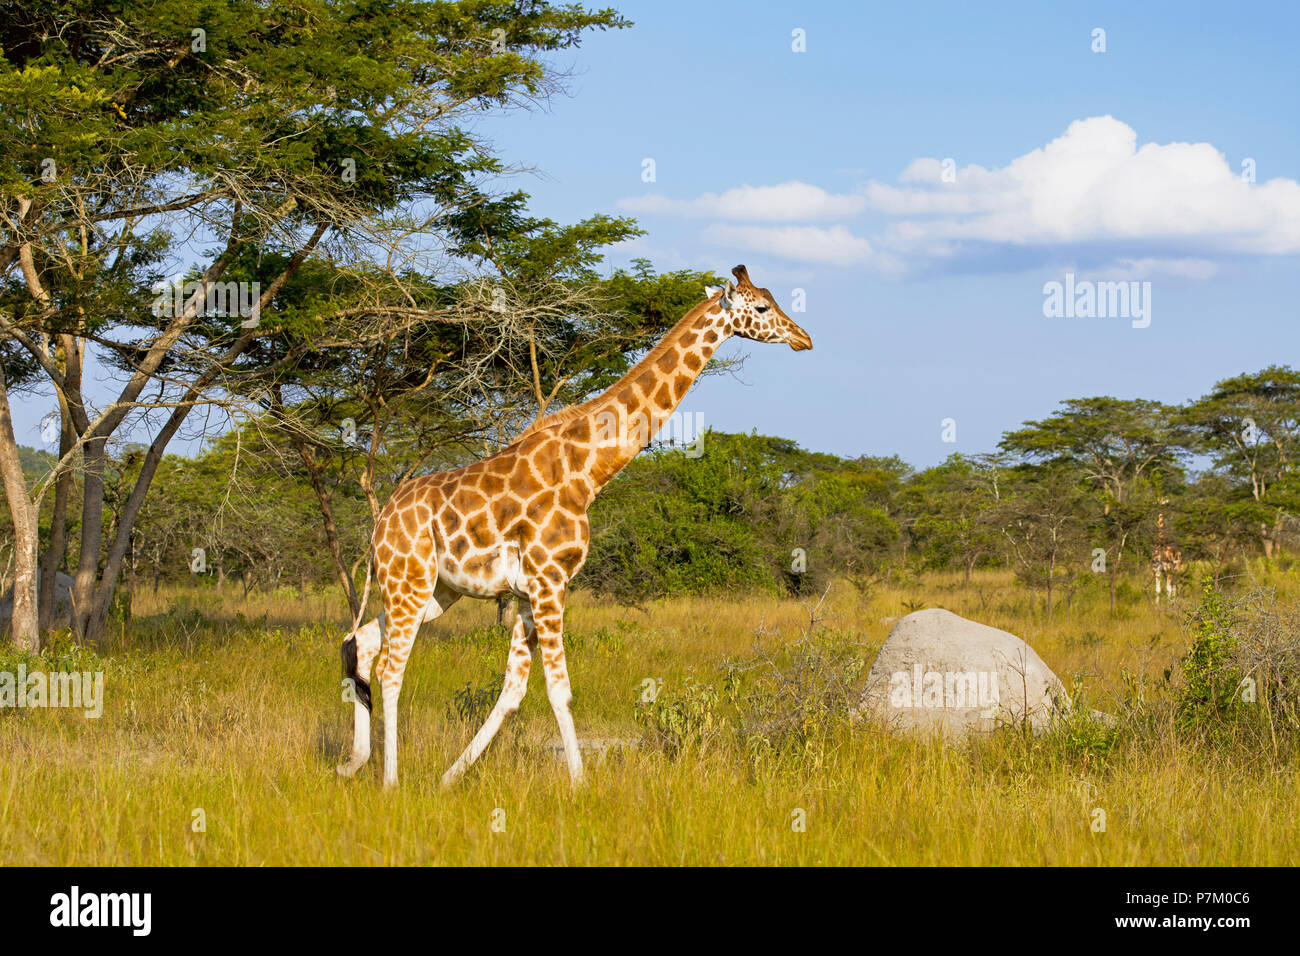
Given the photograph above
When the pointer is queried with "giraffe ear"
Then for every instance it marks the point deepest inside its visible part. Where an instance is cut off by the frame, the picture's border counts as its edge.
(725, 300)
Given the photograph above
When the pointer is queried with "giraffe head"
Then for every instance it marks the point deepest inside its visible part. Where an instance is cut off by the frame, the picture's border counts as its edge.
(754, 314)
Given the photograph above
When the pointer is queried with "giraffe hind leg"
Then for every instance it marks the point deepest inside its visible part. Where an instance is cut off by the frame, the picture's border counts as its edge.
(548, 612)
(523, 639)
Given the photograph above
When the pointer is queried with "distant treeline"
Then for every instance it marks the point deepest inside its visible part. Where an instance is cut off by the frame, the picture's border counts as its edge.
(1071, 501)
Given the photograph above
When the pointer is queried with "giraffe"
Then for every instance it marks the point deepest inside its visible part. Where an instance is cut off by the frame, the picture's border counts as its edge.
(516, 524)
(1166, 560)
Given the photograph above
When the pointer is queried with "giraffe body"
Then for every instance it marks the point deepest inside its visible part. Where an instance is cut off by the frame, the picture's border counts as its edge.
(516, 524)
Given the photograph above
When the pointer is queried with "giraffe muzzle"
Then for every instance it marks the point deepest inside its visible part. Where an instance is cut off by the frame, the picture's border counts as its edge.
(800, 340)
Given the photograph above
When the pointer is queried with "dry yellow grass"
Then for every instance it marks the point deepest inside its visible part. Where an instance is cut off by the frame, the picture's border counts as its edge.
(243, 721)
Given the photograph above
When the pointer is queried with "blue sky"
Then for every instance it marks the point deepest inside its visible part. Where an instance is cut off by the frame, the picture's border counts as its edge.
(824, 171)
(925, 298)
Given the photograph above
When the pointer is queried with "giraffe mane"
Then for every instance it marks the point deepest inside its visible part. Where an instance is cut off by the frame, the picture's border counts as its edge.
(571, 412)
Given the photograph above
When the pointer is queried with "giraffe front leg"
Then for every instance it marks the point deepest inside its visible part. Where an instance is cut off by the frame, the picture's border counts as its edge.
(392, 665)
(548, 614)
(523, 638)
(359, 652)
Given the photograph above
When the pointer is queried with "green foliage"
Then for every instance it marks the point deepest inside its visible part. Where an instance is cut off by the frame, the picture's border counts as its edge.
(1079, 735)
(60, 652)
(608, 640)
(678, 718)
(1213, 681)
(791, 704)
(773, 707)
(471, 704)
(1082, 738)
(671, 523)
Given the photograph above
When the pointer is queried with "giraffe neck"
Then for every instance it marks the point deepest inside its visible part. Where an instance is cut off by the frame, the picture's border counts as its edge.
(620, 422)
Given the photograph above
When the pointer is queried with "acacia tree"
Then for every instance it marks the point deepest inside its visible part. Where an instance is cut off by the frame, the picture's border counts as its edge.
(1217, 522)
(255, 125)
(1118, 447)
(956, 514)
(1250, 424)
(1041, 524)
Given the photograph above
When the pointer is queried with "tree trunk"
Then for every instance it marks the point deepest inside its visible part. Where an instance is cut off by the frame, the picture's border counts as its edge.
(24, 624)
(92, 539)
(52, 560)
(92, 603)
(1051, 569)
(326, 503)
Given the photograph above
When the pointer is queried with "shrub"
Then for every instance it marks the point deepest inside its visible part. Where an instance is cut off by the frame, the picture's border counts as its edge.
(768, 705)
(791, 703)
(1242, 673)
(473, 704)
(676, 718)
(1209, 667)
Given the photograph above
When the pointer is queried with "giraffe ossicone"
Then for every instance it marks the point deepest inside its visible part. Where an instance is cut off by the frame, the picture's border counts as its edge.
(516, 524)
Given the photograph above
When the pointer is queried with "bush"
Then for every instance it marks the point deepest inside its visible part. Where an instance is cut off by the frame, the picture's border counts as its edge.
(677, 718)
(1209, 667)
(473, 704)
(61, 652)
(786, 704)
(1242, 672)
(792, 707)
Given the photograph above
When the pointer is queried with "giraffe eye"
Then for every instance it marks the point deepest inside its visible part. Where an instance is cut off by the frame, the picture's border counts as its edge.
(760, 308)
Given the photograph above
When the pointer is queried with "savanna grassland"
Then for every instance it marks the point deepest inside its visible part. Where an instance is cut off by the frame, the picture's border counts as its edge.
(234, 708)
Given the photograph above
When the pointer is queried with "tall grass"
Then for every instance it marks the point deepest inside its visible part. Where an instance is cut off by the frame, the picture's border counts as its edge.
(229, 714)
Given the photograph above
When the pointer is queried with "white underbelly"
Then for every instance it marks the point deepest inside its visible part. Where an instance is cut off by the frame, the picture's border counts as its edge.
(505, 572)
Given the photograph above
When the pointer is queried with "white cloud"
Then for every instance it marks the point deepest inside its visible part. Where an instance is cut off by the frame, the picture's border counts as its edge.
(1091, 194)
(786, 202)
(834, 245)
(1095, 184)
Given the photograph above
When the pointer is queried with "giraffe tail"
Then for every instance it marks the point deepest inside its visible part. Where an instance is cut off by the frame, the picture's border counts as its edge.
(360, 685)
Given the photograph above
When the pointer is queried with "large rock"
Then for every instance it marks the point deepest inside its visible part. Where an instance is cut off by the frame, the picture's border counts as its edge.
(938, 673)
(63, 584)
